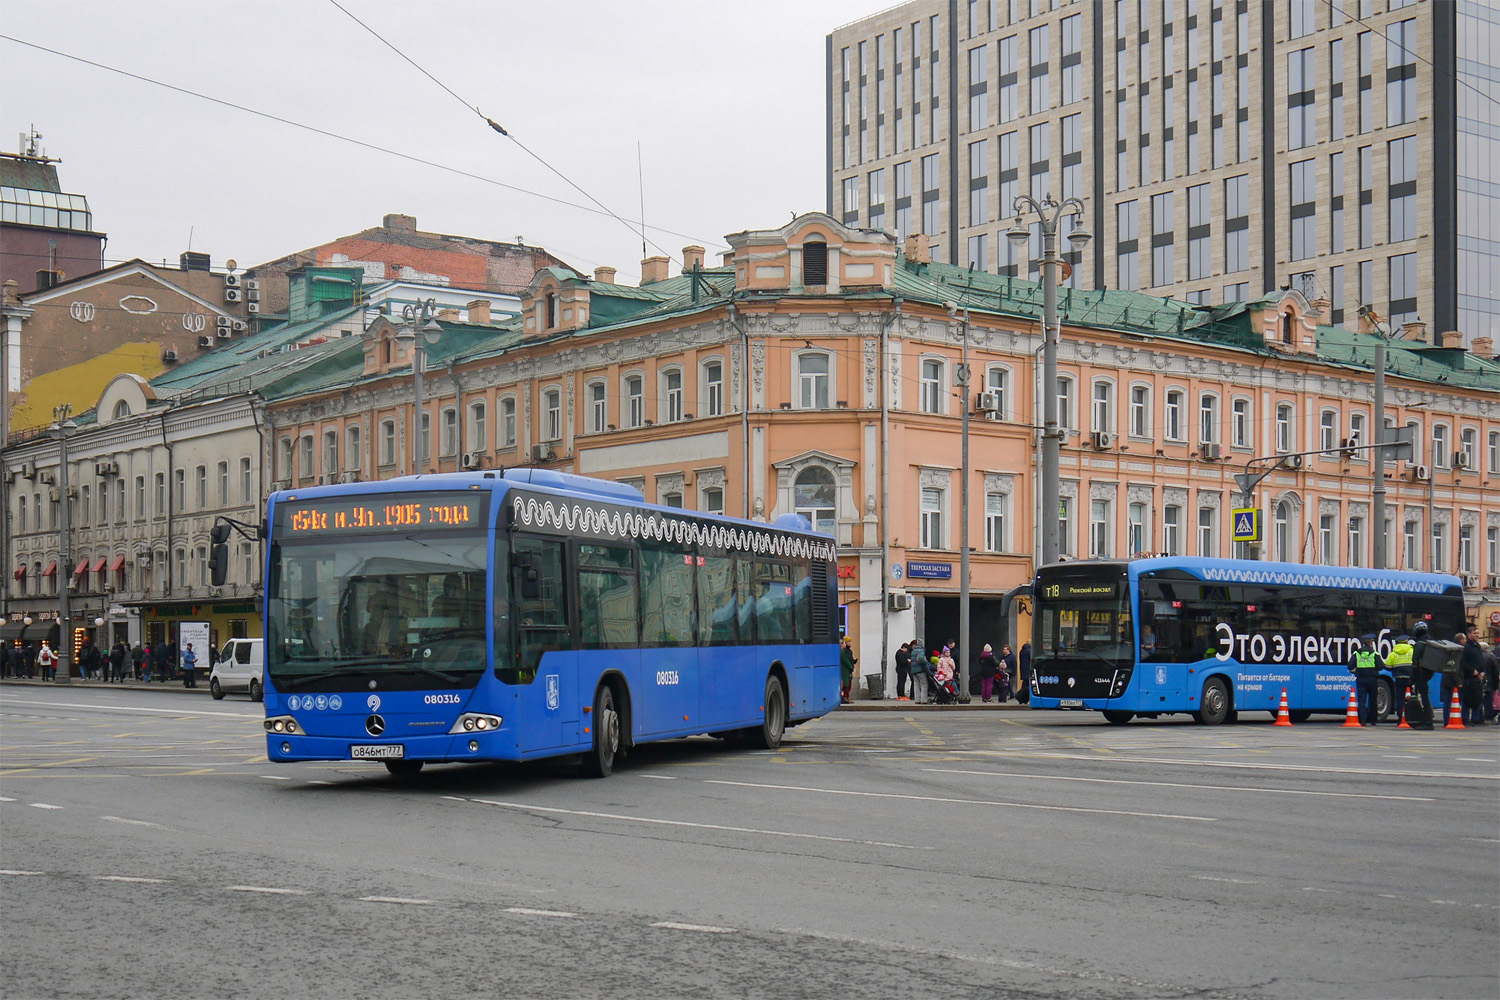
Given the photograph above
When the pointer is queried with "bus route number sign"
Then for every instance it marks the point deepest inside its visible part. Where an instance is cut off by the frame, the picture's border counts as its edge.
(379, 513)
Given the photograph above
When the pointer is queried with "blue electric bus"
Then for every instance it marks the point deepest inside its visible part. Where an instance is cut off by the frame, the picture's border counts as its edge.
(524, 614)
(1215, 637)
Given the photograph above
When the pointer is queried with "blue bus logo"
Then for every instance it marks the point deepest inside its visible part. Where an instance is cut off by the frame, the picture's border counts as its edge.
(554, 697)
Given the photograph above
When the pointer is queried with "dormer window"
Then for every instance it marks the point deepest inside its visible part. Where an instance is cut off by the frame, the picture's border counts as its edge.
(122, 410)
(551, 310)
(387, 346)
(1287, 337)
(815, 263)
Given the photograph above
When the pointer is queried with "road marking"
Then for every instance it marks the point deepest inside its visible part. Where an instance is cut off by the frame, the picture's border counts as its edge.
(129, 878)
(1482, 840)
(17, 871)
(1316, 769)
(134, 822)
(1400, 756)
(526, 911)
(319, 781)
(396, 899)
(266, 889)
(275, 777)
(524, 807)
(152, 711)
(42, 805)
(1477, 760)
(1236, 881)
(659, 777)
(6, 798)
(1174, 784)
(968, 802)
(673, 925)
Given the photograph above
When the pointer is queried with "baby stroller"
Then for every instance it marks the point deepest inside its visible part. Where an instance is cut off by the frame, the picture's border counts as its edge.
(944, 692)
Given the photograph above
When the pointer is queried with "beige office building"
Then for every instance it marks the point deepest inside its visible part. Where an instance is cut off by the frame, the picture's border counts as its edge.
(1222, 148)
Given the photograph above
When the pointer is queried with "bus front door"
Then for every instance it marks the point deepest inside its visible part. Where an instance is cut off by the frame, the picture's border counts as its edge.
(1161, 686)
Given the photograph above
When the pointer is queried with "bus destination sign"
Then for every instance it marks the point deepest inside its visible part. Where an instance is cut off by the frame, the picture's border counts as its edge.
(376, 513)
(1087, 590)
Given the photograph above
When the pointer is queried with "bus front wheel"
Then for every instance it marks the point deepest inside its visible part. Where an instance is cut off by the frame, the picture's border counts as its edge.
(1116, 717)
(600, 761)
(1215, 703)
(767, 736)
(403, 768)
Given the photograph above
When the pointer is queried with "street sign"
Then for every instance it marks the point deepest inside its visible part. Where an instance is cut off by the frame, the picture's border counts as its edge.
(1245, 482)
(1399, 443)
(1246, 524)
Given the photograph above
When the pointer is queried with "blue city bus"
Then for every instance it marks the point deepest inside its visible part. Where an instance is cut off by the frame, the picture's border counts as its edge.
(1216, 637)
(521, 614)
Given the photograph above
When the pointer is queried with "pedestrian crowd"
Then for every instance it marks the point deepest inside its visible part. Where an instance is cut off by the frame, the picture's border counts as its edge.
(142, 662)
(930, 673)
(1475, 682)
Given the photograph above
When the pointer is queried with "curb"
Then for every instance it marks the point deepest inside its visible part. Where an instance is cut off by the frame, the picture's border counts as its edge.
(892, 705)
(170, 686)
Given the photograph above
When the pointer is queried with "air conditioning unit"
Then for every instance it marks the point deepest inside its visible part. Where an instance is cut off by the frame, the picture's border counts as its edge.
(205, 341)
(988, 403)
(1494, 581)
(900, 600)
(1420, 473)
(143, 560)
(1471, 580)
(1463, 460)
(472, 460)
(281, 484)
(28, 470)
(1210, 450)
(349, 477)
(253, 307)
(225, 333)
(10, 477)
(240, 326)
(223, 320)
(72, 583)
(251, 285)
(252, 295)
(231, 281)
(169, 355)
(1350, 446)
(328, 479)
(1291, 461)
(544, 452)
(1102, 440)
(106, 468)
(232, 295)
(54, 495)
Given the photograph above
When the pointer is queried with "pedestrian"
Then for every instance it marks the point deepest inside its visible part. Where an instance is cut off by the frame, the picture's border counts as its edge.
(946, 666)
(988, 668)
(1005, 681)
(137, 656)
(903, 669)
(4, 659)
(172, 664)
(1453, 681)
(1365, 663)
(847, 660)
(28, 652)
(1492, 691)
(1400, 663)
(159, 661)
(117, 662)
(47, 660)
(1475, 664)
(190, 662)
(918, 671)
(1419, 703)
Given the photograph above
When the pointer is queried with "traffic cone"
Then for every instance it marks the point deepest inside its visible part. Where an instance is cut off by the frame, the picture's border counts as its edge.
(1283, 718)
(1455, 714)
(1351, 716)
(1402, 710)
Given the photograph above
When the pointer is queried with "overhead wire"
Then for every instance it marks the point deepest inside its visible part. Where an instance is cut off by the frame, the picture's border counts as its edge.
(1334, 5)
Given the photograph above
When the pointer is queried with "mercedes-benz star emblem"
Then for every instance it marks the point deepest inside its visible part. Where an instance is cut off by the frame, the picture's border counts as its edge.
(374, 725)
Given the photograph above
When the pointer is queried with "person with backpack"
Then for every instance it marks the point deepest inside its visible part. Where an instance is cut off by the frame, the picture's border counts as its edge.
(1400, 663)
(47, 660)
(919, 670)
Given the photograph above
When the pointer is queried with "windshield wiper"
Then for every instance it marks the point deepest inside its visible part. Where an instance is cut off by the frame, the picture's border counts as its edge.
(422, 668)
(323, 675)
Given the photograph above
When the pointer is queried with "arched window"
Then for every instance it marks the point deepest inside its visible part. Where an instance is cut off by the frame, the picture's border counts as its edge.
(122, 409)
(813, 496)
(671, 397)
(552, 415)
(815, 263)
(1281, 531)
(479, 428)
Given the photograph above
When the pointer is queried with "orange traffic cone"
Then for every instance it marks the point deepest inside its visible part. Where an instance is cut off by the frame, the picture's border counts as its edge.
(1455, 714)
(1283, 718)
(1351, 716)
(1402, 724)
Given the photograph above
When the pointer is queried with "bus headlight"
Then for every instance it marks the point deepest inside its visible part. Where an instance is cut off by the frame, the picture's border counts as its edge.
(470, 721)
(281, 724)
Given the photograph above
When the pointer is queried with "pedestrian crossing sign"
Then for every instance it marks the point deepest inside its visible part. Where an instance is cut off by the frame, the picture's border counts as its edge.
(1247, 525)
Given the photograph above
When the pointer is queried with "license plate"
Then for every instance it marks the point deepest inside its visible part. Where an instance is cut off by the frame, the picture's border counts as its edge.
(376, 751)
(1071, 703)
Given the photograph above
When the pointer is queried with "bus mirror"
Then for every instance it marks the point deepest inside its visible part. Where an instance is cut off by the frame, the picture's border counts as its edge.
(218, 564)
(531, 577)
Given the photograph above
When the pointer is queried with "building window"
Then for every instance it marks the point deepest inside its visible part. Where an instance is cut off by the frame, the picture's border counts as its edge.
(1009, 80)
(997, 522)
(1328, 433)
(1441, 455)
(1072, 59)
(1304, 208)
(598, 408)
(552, 415)
(1099, 529)
(1301, 109)
(875, 194)
(712, 500)
(1327, 540)
(1283, 428)
(223, 484)
(1493, 462)
(388, 442)
(1336, 203)
(1103, 413)
(1357, 436)
(1439, 548)
(1401, 72)
(997, 383)
(713, 389)
(1402, 154)
(247, 480)
(1403, 272)
(1200, 229)
(1172, 428)
(449, 442)
(1136, 527)
(635, 400)
(305, 456)
(1162, 259)
(330, 452)
(851, 201)
(1140, 411)
(1356, 541)
(932, 397)
(140, 502)
(424, 436)
(1065, 403)
(979, 109)
(1040, 80)
(479, 427)
(1065, 526)
(932, 519)
(932, 183)
(903, 200)
(161, 494)
(1208, 419)
(813, 496)
(812, 381)
(284, 458)
(1237, 224)
(1240, 423)
(671, 391)
(1466, 548)
(179, 489)
(1128, 245)
(814, 264)
(508, 422)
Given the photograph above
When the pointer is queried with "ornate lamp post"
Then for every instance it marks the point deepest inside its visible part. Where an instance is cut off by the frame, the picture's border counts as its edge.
(63, 426)
(413, 313)
(1049, 213)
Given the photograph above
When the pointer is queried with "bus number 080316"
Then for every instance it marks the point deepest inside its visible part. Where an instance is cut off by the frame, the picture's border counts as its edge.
(666, 677)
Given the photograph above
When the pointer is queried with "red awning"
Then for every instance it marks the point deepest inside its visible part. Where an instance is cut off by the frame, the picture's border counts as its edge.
(20, 573)
(51, 568)
(99, 564)
(117, 565)
(81, 568)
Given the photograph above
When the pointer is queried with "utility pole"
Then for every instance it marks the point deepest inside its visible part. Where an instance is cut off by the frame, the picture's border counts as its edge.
(62, 426)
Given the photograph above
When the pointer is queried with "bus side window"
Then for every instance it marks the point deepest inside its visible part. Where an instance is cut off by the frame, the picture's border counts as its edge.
(716, 609)
(746, 593)
(666, 597)
(803, 594)
(541, 618)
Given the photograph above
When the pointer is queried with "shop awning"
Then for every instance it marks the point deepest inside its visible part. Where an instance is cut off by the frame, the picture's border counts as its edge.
(12, 630)
(99, 564)
(20, 573)
(81, 568)
(51, 568)
(117, 565)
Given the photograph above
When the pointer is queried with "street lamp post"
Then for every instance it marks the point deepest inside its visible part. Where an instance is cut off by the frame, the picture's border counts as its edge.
(961, 377)
(1049, 213)
(412, 314)
(62, 426)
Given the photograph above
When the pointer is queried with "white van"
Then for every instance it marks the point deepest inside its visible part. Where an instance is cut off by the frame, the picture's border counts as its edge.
(239, 666)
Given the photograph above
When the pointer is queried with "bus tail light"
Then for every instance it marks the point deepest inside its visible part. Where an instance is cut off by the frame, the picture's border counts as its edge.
(471, 722)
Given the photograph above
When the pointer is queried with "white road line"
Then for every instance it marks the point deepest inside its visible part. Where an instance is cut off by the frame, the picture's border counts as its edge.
(659, 777)
(17, 871)
(1482, 840)
(42, 805)
(455, 798)
(1174, 784)
(396, 899)
(6, 798)
(134, 822)
(1313, 768)
(524, 807)
(129, 878)
(1236, 881)
(266, 889)
(1477, 760)
(526, 911)
(1400, 756)
(673, 925)
(275, 777)
(319, 781)
(966, 802)
(151, 711)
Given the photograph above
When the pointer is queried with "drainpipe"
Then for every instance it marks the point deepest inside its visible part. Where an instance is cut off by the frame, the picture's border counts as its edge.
(885, 482)
(740, 324)
(458, 412)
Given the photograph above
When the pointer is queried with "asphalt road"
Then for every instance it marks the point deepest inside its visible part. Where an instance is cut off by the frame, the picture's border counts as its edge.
(148, 849)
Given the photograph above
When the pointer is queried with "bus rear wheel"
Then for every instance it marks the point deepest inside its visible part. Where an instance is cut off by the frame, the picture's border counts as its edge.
(1116, 717)
(767, 736)
(1385, 700)
(403, 768)
(1215, 703)
(600, 761)
(1299, 716)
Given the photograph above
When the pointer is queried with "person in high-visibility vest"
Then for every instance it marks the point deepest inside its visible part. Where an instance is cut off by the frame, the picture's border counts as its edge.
(1366, 665)
(1400, 663)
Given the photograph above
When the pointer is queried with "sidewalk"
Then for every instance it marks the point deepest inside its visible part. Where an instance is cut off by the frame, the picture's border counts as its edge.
(897, 705)
(174, 685)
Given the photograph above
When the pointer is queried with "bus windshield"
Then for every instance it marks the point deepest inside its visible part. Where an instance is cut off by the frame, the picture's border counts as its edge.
(397, 612)
(1097, 629)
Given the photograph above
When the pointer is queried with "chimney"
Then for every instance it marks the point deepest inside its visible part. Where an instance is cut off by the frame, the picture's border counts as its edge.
(1482, 347)
(691, 257)
(1416, 330)
(403, 223)
(917, 250)
(654, 269)
(604, 274)
(191, 261)
(12, 291)
(448, 315)
(479, 312)
(1450, 338)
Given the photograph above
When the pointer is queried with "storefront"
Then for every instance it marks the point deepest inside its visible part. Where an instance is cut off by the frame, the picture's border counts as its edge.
(160, 623)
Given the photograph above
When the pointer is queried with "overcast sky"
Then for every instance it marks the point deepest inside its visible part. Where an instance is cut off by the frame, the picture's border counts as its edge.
(725, 99)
